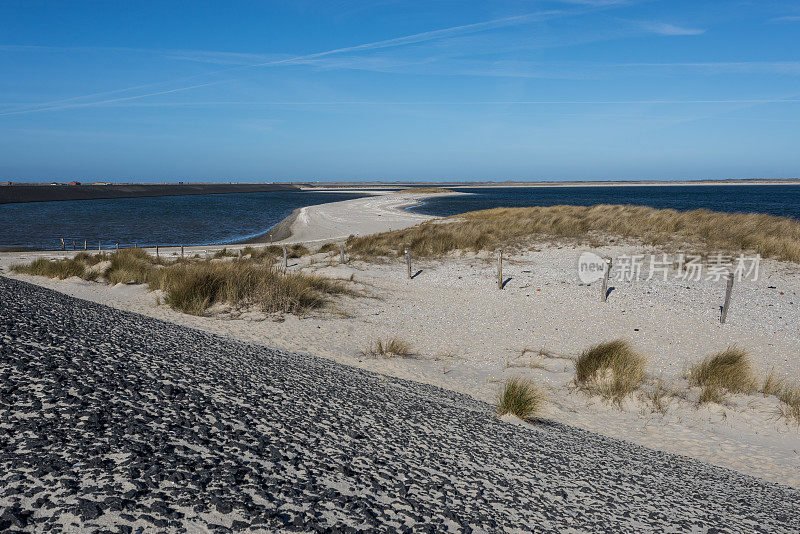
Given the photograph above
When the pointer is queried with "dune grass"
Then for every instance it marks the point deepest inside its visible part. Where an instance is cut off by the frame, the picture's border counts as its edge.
(223, 253)
(56, 268)
(388, 348)
(768, 235)
(328, 247)
(726, 371)
(268, 253)
(519, 397)
(611, 370)
(772, 385)
(192, 286)
(789, 396)
(296, 251)
(130, 266)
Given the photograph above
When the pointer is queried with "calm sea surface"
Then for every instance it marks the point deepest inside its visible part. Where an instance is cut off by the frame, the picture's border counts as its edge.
(773, 199)
(169, 220)
(223, 219)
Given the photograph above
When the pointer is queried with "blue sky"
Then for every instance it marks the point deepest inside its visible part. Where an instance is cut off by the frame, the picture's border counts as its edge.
(350, 90)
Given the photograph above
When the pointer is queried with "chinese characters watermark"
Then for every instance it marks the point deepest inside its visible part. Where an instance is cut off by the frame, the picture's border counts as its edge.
(687, 267)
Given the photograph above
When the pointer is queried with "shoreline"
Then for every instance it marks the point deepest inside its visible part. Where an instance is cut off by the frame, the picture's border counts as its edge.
(23, 193)
(335, 186)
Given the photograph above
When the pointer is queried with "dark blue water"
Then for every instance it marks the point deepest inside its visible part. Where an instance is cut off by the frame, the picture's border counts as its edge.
(224, 219)
(773, 199)
(170, 220)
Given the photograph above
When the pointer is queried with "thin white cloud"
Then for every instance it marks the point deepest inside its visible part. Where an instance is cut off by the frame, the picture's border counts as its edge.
(723, 67)
(663, 28)
(107, 101)
(387, 43)
(788, 18)
(127, 103)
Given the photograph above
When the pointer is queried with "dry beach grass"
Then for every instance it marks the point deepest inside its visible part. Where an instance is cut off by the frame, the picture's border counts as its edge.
(192, 286)
(611, 370)
(519, 397)
(726, 371)
(390, 347)
(768, 235)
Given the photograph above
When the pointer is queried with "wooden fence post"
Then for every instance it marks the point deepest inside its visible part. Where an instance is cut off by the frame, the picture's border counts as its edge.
(117, 246)
(285, 258)
(181, 251)
(408, 263)
(98, 246)
(606, 275)
(73, 245)
(500, 269)
(63, 246)
(341, 252)
(85, 244)
(156, 251)
(727, 303)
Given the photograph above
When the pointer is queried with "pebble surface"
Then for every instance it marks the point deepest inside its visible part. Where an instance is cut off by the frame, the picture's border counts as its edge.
(114, 422)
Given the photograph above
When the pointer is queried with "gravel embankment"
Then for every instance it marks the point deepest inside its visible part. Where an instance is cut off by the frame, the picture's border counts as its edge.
(115, 422)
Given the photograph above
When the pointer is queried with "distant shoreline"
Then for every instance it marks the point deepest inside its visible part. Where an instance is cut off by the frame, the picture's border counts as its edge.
(549, 183)
(49, 193)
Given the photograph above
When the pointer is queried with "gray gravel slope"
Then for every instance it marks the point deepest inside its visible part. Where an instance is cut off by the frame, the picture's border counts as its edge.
(113, 421)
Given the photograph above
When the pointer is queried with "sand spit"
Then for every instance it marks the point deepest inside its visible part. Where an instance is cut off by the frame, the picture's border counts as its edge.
(381, 212)
(117, 422)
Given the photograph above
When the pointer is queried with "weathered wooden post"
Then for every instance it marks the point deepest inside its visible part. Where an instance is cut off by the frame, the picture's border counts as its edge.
(118, 247)
(99, 248)
(727, 303)
(63, 246)
(500, 269)
(181, 251)
(85, 244)
(408, 263)
(341, 252)
(73, 245)
(606, 275)
(156, 251)
(285, 258)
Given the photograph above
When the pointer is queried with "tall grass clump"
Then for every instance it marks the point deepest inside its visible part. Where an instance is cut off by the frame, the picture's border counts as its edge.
(611, 370)
(297, 250)
(772, 384)
(768, 235)
(223, 253)
(789, 396)
(193, 288)
(130, 265)
(726, 371)
(328, 247)
(56, 268)
(519, 397)
(264, 253)
(390, 347)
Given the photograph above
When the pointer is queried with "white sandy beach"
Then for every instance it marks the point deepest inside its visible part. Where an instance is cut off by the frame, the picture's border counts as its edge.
(468, 336)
